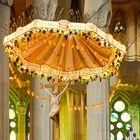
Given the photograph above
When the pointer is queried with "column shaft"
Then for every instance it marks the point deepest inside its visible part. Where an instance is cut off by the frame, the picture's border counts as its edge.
(98, 116)
(21, 121)
(4, 75)
(41, 125)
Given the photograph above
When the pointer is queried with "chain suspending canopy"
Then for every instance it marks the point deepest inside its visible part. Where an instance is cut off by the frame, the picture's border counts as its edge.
(64, 49)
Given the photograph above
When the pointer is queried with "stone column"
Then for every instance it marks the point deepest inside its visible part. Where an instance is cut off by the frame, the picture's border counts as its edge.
(41, 123)
(98, 110)
(21, 110)
(134, 111)
(99, 12)
(131, 35)
(4, 71)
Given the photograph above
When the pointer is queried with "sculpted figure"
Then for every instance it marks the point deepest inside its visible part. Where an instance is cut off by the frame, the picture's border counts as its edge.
(55, 103)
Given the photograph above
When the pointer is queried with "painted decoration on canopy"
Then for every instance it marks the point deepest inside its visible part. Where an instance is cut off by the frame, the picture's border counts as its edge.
(64, 49)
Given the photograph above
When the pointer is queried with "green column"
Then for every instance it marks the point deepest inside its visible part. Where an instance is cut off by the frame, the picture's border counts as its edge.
(21, 110)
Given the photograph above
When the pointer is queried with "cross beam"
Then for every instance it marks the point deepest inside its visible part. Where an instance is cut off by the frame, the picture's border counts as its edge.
(50, 85)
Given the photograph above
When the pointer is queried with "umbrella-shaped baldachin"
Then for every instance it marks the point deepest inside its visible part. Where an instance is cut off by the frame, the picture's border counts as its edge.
(64, 49)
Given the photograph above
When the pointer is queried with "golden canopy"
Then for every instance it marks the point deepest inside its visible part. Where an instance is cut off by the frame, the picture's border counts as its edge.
(64, 49)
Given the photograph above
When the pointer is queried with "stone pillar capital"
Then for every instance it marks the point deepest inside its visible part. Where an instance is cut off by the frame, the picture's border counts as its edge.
(7, 2)
(133, 109)
(21, 108)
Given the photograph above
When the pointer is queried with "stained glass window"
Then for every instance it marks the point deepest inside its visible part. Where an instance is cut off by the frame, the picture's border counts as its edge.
(128, 126)
(12, 135)
(120, 136)
(11, 114)
(120, 119)
(28, 124)
(119, 125)
(114, 117)
(119, 106)
(13, 124)
(12, 120)
(112, 137)
(111, 127)
(125, 117)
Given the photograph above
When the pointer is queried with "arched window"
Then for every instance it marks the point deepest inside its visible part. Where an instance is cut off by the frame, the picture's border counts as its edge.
(12, 135)
(28, 124)
(120, 119)
(12, 120)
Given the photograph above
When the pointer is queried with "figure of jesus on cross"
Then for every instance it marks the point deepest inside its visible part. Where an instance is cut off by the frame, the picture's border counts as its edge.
(55, 103)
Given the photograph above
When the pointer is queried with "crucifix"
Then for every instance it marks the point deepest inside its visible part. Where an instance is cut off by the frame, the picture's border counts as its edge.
(55, 100)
